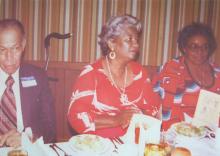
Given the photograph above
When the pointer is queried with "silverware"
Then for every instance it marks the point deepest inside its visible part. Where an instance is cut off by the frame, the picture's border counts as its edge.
(210, 133)
(112, 140)
(209, 129)
(54, 149)
(58, 147)
(118, 140)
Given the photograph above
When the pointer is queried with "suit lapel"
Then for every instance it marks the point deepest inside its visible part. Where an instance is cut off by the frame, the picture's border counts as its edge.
(25, 98)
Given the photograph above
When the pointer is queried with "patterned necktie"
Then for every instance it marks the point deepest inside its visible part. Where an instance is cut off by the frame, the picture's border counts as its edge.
(8, 118)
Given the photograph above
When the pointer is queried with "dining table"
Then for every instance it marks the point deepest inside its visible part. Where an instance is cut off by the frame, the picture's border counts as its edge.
(204, 146)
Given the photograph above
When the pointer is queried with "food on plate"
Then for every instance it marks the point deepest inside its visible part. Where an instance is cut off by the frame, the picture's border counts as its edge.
(189, 130)
(17, 152)
(180, 151)
(157, 150)
(89, 143)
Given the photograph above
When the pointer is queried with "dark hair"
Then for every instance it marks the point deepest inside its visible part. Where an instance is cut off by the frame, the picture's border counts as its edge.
(196, 29)
(10, 23)
(114, 27)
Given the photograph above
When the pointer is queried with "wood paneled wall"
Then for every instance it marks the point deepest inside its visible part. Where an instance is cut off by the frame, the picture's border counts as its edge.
(161, 20)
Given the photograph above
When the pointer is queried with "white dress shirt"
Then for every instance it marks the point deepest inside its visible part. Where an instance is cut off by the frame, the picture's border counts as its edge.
(16, 90)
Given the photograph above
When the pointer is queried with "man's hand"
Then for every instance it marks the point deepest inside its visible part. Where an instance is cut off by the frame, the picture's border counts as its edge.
(11, 138)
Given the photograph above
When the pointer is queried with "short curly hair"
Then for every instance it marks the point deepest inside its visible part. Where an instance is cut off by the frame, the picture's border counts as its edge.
(114, 27)
(196, 29)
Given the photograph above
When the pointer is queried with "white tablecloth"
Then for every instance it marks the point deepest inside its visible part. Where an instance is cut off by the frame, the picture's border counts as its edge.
(198, 147)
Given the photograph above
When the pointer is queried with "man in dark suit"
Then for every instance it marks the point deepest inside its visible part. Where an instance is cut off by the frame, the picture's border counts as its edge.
(29, 96)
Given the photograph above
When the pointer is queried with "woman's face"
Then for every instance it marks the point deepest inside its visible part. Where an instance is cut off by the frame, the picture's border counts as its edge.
(126, 45)
(197, 49)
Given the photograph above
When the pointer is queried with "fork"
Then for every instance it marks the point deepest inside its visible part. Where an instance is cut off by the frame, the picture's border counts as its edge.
(118, 140)
(53, 147)
(58, 147)
(113, 141)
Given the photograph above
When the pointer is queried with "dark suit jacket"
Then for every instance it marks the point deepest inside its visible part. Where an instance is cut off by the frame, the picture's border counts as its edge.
(37, 103)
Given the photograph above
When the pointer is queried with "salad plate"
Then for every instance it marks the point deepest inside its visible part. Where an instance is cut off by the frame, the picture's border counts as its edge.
(91, 144)
(189, 130)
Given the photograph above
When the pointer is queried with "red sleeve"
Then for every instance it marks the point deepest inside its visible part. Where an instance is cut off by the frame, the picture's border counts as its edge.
(79, 114)
(152, 101)
(171, 77)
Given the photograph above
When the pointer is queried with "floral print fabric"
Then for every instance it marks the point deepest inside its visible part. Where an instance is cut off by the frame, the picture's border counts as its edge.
(179, 92)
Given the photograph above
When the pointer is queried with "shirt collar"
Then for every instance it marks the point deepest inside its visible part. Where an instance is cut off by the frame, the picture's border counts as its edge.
(4, 75)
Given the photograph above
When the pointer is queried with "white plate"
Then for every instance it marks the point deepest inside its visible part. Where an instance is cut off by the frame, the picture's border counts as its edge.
(188, 130)
(92, 144)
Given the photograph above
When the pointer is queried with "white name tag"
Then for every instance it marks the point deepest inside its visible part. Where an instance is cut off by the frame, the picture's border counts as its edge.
(28, 81)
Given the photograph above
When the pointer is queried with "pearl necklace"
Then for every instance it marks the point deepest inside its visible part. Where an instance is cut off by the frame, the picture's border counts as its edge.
(123, 97)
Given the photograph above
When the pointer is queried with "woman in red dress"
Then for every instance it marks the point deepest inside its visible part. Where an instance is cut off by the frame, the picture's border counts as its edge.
(109, 91)
(181, 79)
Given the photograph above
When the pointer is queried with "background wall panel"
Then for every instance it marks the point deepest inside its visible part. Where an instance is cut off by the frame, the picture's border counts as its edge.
(162, 19)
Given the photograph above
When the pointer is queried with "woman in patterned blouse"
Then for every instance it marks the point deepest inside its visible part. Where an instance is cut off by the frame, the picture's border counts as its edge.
(109, 91)
(181, 79)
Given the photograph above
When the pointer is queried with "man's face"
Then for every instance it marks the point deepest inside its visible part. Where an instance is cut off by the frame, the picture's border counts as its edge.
(12, 45)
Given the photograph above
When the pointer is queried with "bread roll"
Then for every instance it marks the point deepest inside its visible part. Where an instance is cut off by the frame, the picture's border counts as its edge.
(181, 151)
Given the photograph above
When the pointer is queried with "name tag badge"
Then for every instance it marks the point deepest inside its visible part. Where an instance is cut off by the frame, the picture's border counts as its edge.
(28, 81)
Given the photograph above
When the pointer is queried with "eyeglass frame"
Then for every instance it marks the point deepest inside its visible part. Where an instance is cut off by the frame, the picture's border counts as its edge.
(195, 47)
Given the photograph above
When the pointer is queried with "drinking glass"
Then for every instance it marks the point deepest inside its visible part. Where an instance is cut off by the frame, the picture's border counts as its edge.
(168, 137)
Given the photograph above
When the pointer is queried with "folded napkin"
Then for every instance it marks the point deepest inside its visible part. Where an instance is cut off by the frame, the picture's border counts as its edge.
(38, 148)
(149, 131)
(126, 149)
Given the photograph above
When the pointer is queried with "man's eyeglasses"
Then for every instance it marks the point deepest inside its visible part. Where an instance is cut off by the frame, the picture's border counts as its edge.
(195, 47)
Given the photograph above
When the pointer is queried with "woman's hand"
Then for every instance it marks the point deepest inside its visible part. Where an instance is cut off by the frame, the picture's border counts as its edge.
(11, 138)
(121, 119)
(125, 116)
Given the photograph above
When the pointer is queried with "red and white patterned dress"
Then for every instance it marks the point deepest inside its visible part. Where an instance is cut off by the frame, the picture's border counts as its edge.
(94, 94)
(179, 92)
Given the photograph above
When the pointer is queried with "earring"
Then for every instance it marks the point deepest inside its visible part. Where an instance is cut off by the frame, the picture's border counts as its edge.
(112, 55)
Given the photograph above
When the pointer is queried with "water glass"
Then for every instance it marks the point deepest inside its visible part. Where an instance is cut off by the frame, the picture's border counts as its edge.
(168, 137)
